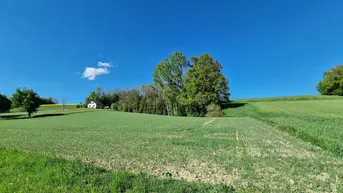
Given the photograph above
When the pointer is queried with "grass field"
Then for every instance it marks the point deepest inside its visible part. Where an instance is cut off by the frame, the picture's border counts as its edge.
(45, 111)
(291, 98)
(242, 152)
(317, 121)
(22, 172)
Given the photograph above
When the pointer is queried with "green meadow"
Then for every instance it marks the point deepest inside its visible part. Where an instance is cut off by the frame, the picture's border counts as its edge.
(317, 121)
(261, 146)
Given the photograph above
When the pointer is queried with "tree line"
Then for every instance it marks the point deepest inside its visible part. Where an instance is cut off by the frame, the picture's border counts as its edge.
(26, 100)
(180, 87)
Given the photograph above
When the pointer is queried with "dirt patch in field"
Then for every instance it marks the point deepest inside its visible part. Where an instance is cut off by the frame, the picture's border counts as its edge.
(193, 170)
(323, 177)
(196, 170)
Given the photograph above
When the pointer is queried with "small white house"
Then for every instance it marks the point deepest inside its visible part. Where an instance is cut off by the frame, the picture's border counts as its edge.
(92, 105)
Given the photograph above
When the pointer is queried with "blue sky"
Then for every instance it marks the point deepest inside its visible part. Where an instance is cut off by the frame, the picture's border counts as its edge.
(267, 47)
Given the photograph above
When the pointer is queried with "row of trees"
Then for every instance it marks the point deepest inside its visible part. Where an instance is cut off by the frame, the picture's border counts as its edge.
(180, 87)
(25, 99)
(49, 100)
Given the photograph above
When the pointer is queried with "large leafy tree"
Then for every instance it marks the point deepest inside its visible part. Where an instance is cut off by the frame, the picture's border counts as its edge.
(204, 84)
(26, 99)
(332, 83)
(168, 76)
(5, 104)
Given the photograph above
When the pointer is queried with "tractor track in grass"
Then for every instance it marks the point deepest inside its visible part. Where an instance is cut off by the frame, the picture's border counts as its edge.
(208, 122)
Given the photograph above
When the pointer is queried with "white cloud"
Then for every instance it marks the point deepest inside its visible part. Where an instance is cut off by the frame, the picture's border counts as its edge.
(90, 73)
(104, 64)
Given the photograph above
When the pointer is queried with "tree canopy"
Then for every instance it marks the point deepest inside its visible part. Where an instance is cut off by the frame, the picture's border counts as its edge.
(204, 84)
(5, 104)
(332, 83)
(26, 99)
(49, 100)
(168, 76)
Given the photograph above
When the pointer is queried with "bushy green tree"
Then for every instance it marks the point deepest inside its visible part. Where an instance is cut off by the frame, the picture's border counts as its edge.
(26, 99)
(168, 76)
(213, 110)
(5, 104)
(204, 84)
(113, 106)
(332, 83)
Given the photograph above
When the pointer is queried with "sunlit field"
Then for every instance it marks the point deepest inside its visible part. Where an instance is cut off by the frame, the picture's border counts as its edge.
(317, 121)
(243, 153)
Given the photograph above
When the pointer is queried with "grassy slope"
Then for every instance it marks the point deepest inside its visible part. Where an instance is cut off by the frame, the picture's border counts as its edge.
(44, 111)
(316, 121)
(22, 172)
(291, 98)
(241, 152)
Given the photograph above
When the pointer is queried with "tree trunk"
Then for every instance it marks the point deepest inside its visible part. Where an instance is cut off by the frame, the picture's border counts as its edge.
(29, 114)
(167, 106)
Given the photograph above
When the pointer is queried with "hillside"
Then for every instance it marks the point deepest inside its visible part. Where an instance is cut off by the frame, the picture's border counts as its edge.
(290, 98)
(317, 121)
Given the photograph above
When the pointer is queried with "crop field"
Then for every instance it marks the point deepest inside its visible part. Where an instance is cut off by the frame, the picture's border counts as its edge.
(23, 172)
(317, 121)
(243, 152)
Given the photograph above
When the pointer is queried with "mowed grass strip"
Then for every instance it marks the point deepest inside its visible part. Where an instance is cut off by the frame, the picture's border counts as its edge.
(22, 172)
(241, 152)
(317, 121)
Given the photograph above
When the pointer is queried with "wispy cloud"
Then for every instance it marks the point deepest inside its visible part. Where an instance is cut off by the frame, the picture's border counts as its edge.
(91, 73)
(104, 64)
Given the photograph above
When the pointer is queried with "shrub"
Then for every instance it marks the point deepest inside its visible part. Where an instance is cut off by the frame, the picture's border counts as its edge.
(78, 106)
(213, 110)
(113, 106)
(84, 105)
